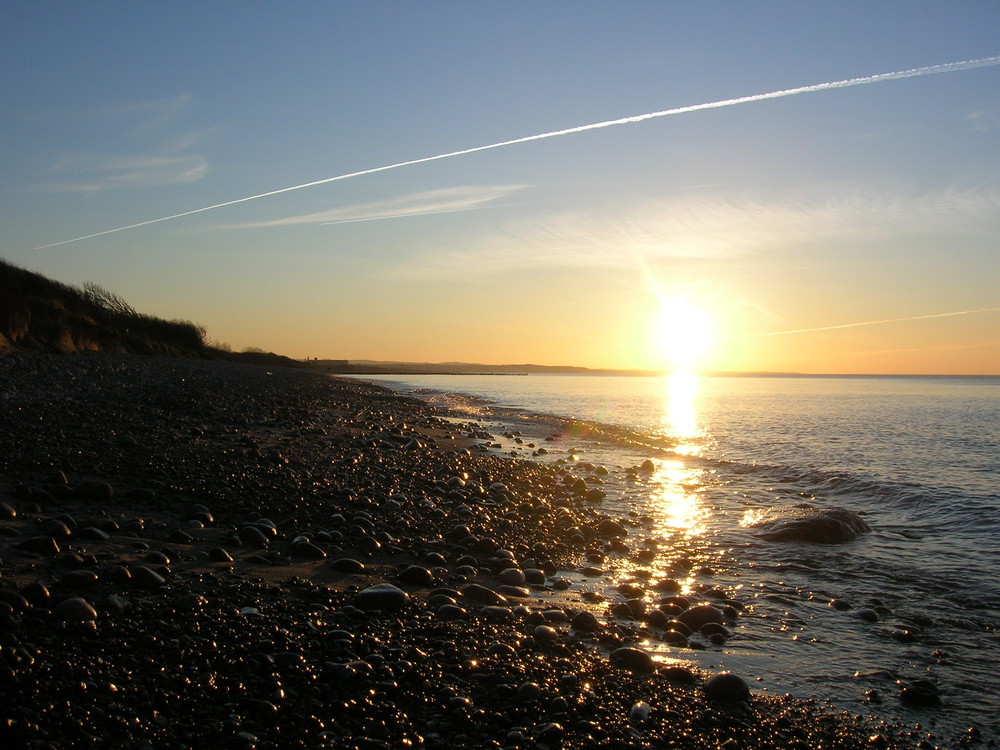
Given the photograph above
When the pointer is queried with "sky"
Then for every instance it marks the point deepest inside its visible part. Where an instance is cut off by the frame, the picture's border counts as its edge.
(847, 229)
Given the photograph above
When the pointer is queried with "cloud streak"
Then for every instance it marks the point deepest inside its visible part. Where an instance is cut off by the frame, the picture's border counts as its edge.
(444, 200)
(883, 321)
(895, 75)
(696, 229)
(94, 173)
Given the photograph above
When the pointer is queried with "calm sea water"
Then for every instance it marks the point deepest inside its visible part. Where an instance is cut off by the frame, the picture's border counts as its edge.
(917, 457)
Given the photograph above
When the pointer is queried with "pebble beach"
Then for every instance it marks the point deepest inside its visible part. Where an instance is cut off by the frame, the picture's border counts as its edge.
(204, 554)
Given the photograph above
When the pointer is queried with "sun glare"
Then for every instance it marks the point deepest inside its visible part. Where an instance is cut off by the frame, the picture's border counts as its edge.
(684, 334)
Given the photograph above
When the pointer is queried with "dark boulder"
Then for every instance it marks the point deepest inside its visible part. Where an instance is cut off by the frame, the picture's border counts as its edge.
(831, 526)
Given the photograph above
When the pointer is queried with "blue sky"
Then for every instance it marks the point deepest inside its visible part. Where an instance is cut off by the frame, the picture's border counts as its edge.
(877, 202)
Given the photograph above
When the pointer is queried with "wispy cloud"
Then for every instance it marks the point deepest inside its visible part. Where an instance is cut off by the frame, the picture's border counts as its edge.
(167, 161)
(152, 113)
(984, 120)
(706, 230)
(93, 173)
(444, 200)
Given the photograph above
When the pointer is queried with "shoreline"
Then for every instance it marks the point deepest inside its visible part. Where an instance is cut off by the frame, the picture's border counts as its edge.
(147, 474)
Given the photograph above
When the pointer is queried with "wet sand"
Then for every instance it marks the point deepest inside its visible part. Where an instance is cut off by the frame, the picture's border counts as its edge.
(187, 551)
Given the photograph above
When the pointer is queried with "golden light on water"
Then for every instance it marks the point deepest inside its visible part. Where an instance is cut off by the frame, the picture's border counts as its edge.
(674, 501)
(680, 418)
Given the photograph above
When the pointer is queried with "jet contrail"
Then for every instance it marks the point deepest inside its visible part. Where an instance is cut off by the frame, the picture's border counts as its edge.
(869, 323)
(911, 73)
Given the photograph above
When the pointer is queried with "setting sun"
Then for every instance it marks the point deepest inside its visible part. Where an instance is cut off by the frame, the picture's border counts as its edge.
(684, 334)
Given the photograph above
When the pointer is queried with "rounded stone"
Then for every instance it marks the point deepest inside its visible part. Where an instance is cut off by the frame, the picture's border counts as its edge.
(416, 575)
(79, 579)
(218, 554)
(868, 615)
(545, 634)
(252, 536)
(700, 615)
(348, 565)
(381, 596)
(609, 528)
(679, 675)
(90, 532)
(727, 687)
(75, 609)
(633, 659)
(920, 693)
(483, 594)
(307, 550)
(147, 577)
(512, 577)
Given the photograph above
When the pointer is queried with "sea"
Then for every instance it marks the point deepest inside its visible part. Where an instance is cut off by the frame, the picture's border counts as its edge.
(917, 458)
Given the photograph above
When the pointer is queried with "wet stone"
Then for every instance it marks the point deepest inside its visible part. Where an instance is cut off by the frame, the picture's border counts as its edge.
(633, 659)
(381, 596)
(42, 545)
(679, 675)
(347, 565)
(75, 609)
(586, 622)
(727, 687)
(89, 532)
(307, 550)
(415, 575)
(920, 693)
(252, 536)
(512, 577)
(147, 577)
(218, 554)
(79, 579)
(701, 614)
(482, 594)
(516, 592)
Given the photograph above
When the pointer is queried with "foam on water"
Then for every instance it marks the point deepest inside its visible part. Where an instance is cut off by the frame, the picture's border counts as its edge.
(917, 458)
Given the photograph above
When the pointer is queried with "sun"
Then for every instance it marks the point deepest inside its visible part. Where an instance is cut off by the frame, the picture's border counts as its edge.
(684, 334)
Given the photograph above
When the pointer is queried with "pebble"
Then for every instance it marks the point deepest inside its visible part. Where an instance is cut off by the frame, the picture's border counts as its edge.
(512, 577)
(639, 712)
(42, 545)
(727, 687)
(585, 622)
(79, 579)
(482, 594)
(75, 609)
(381, 596)
(633, 659)
(252, 536)
(545, 634)
(920, 693)
(700, 615)
(89, 532)
(307, 550)
(348, 565)
(416, 575)
(147, 577)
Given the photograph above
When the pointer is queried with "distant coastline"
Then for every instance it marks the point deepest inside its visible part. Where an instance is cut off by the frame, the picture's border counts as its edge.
(377, 367)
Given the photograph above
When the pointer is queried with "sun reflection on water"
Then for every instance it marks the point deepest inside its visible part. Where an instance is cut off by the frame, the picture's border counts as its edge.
(674, 485)
(680, 416)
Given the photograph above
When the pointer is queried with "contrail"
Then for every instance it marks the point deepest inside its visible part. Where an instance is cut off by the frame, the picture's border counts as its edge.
(870, 323)
(911, 73)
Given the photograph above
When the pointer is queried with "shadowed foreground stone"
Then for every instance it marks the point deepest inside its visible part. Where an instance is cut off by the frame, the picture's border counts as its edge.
(727, 687)
(75, 609)
(381, 596)
(832, 526)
